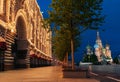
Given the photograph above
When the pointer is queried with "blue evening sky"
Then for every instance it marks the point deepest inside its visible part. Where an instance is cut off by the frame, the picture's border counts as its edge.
(111, 35)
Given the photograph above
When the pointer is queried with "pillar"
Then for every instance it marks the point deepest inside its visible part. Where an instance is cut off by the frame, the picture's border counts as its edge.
(7, 10)
(1, 6)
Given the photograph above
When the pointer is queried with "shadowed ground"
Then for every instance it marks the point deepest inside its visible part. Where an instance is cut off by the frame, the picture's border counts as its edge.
(43, 74)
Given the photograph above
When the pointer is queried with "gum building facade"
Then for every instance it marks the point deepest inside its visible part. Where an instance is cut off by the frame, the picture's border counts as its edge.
(22, 33)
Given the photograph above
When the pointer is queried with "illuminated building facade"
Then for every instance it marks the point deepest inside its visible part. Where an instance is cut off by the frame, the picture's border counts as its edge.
(103, 54)
(21, 28)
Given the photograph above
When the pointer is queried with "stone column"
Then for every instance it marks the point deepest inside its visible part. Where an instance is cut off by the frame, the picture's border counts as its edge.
(12, 9)
(1, 6)
(34, 37)
(7, 10)
(22, 58)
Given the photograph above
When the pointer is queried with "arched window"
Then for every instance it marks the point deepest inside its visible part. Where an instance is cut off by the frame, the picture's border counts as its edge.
(1, 6)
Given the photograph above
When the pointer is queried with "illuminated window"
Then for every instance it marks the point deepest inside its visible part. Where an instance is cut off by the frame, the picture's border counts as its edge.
(1, 6)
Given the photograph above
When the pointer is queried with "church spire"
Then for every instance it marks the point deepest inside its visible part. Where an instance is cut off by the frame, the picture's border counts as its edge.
(98, 36)
(98, 40)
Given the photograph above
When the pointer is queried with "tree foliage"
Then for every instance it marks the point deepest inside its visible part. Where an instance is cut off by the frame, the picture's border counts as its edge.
(85, 14)
(116, 60)
(90, 58)
(75, 16)
(61, 43)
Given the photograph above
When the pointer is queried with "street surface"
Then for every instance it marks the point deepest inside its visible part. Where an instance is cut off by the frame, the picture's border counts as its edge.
(44, 74)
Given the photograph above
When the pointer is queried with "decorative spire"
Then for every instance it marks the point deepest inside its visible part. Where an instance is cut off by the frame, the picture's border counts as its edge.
(98, 36)
(98, 40)
(107, 45)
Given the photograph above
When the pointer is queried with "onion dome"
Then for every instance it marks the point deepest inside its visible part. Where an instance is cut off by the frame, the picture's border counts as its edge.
(107, 45)
(96, 46)
(88, 47)
(103, 49)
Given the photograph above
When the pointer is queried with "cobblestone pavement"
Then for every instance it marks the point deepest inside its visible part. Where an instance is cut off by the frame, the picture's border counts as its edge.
(42, 74)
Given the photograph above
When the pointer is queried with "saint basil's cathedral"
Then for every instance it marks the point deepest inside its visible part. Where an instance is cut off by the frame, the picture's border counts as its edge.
(102, 53)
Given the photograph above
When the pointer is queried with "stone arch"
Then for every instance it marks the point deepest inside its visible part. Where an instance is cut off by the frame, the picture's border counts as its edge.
(21, 28)
(21, 24)
(21, 40)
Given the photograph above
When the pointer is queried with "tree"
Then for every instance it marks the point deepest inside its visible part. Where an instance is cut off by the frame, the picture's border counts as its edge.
(61, 44)
(75, 16)
(90, 58)
(115, 60)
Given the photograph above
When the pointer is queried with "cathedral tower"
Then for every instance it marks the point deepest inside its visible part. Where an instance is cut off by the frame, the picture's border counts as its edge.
(98, 40)
(103, 54)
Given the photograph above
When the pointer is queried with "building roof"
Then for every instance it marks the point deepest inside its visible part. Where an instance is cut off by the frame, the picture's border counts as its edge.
(88, 47)
(96, 46)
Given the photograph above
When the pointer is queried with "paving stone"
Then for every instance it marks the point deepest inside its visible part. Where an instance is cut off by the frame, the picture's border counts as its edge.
(42, 74)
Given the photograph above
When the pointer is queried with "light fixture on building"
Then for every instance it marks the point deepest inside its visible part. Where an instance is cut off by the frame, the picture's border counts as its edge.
(12, 31)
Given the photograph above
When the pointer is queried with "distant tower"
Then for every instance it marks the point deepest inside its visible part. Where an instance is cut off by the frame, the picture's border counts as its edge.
(103, 54)
(98, 47)
(89, 50)
(98, 40)
(97, 52)
(108, 53)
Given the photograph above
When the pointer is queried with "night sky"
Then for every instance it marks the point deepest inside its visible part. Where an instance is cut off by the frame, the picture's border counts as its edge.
(111, 33)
